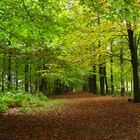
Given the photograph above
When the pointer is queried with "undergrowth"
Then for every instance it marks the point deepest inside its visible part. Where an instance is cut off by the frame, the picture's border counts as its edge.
(26, 101)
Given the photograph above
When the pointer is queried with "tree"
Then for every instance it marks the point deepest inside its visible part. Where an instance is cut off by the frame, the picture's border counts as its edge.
(128, 11)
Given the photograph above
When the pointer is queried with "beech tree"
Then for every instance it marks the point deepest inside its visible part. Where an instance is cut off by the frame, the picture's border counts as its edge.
(128, 11)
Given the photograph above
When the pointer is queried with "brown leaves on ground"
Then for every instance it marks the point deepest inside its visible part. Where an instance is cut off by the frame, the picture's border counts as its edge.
(83, 117)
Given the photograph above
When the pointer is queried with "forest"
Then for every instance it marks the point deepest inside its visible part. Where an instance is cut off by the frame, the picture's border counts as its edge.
(59, 52)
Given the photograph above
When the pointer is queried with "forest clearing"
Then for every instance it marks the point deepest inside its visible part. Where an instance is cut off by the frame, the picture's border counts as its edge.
(84, 116)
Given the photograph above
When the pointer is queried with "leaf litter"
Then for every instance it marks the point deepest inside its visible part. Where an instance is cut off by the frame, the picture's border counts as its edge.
(84, 116)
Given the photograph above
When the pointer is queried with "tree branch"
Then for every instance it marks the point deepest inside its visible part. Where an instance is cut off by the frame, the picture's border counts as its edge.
(27, 11)
(118, 56)
(16, 36)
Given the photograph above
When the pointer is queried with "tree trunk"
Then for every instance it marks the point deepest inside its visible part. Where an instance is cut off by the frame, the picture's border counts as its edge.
(2, 82)
(57, 87)
(49, 87)
(101, 77)
(43, 85)
(134, 61)
(36, 85)
(127, 86)
(122, 72)
(94, 80)
(31, 87)
(9, 77)
(101, 69)
(131, 86)
(26, 69)
(106, 83)
(16, 77)
(111, 73)
(90, 80)
(3, 75)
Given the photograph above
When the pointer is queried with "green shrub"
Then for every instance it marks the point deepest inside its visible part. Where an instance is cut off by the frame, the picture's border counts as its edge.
(3, 106)
(26, 101)
(10, 99)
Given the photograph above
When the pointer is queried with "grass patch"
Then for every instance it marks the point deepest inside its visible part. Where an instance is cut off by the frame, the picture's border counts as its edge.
(41, 106)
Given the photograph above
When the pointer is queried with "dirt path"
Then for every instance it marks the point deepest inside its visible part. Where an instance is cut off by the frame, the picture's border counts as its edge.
(83, 117)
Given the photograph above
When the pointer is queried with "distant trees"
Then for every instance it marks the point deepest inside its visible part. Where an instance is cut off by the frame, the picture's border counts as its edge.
(125, 14)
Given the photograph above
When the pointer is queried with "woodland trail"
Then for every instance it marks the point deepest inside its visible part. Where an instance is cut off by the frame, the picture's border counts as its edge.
(83, 117)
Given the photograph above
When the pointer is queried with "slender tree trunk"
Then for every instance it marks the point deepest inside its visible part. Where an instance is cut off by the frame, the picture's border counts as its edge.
(111, 73)
(94, 80)
(101, 77)
(57, 87)
(86, 85)
(16, 77)
(37, 80)
(134, 61)
(31, 87)
(131, 85)
(90, 80)
(9, 76)
(49, 87)
(122, 72)
(127, 86)
(26, 69)
(43, 85)
(2, 82)
(36, 85)
(101, 69)
(17, 81)
(106, 83)
(3, 75)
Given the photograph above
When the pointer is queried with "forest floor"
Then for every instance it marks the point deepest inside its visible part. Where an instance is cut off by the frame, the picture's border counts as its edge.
(83, 117)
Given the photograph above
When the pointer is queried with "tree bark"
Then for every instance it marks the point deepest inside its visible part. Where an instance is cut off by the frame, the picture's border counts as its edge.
(101, 77)
(106, 83)
(16, 77)
(9, 78)
(94, 90)
(26, 69)
(3, 75)
(90, 80)
(131, 85)
(134, 61)
(31, 86)
(127, 86)
(43, 85)
(111, 73)
(57, 84)
(122, 71)
(2, 80)
(101, 69)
